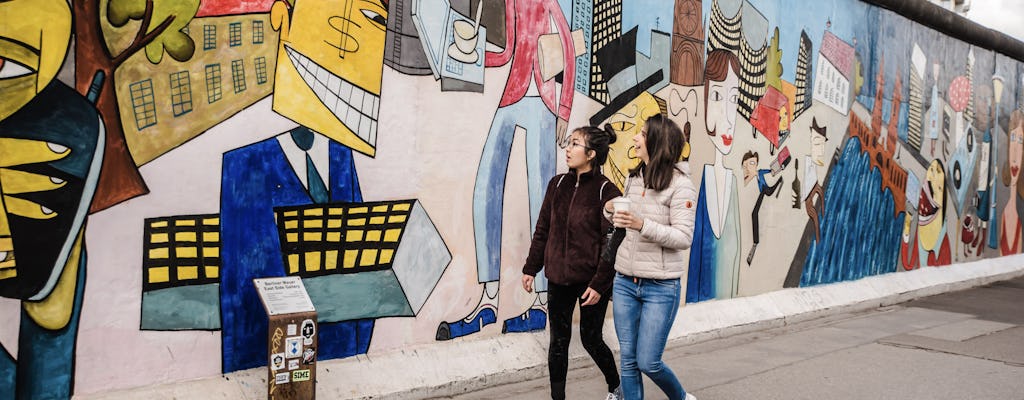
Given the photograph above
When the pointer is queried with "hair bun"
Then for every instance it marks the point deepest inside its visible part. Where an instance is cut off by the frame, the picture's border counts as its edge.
(612, 137)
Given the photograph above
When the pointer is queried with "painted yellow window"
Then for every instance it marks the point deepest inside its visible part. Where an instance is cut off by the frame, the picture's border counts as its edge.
(350, 258)
(377, 220)
(159, 275)
(381, 208)
(291, 224)
(402, 207)
(368, 258)
(185, 222)
(312, 236)
(185, 236)
(373, 236)
(211, 236)
(313, 223)
(160, 252)
(397, 219)
(358, 210)
(159, 224)
(212, 272)
(334, 237)
(211, 251)
(293, 263)
(386, 255)
(312, 261)
(354, 236)
(334, 223)
(186, 252)
(392, 235)
(331, 260)
(188, 273)
(357, 222)
(158, 238)
(313, 212)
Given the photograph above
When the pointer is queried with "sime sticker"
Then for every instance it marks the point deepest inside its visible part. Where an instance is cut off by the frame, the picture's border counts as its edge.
(281, 378)
(300, 375)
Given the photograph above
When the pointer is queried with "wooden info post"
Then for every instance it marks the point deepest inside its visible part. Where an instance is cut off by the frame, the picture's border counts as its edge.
(291, 338)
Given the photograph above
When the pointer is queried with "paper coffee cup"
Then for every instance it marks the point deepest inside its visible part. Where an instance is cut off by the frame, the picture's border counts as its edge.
(621, 204)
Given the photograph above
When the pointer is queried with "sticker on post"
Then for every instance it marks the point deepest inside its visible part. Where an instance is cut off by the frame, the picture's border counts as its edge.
(277, 361)
(292, 329)
(293, 364)
(281, 378)
(309, 355)
(308, 331)
(293, 347)
(300, 375)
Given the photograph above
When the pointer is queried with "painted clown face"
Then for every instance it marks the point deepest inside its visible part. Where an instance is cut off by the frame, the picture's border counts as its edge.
(627, 123)
(330, 66)
(930, 207)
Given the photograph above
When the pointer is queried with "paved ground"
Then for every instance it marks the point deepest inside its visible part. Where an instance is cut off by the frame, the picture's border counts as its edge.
(961, 345)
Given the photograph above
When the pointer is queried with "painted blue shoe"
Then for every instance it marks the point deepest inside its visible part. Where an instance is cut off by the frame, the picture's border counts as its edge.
(534, 319)
(452, 330)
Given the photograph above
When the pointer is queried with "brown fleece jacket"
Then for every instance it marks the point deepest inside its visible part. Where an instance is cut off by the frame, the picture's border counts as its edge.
(571, 230)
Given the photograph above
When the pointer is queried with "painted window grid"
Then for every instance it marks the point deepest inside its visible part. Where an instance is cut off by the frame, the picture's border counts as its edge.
(257, 32)
(181, 93)
(261, 70)
(213, 85)
(341, 238)
(181, 251)
(235, 34)
(238, 75)
(209, 37)
(143, 103)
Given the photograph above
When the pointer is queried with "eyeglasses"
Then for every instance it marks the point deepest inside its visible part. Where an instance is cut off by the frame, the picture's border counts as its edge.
(574, 144)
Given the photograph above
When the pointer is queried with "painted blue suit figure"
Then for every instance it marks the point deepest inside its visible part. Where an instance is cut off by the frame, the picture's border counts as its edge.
(255, 179)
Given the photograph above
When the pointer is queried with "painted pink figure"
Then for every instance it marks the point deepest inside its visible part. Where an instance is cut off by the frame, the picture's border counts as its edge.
(541, 110)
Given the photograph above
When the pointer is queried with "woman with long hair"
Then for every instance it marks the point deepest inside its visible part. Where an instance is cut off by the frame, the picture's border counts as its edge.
(567, 244)
(651, 263)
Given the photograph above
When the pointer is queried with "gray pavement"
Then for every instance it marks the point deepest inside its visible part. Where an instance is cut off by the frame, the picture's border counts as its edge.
(960, 345)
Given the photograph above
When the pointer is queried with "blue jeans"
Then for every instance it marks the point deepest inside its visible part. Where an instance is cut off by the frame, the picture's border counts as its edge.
(644, 310)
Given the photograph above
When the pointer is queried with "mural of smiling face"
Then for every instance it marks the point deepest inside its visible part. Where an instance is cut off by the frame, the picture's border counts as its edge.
(34, 39)
(330, 66)
(931, 207)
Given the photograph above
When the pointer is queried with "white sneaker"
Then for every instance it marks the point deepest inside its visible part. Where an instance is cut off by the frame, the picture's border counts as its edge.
(616, 395)
(690, 397)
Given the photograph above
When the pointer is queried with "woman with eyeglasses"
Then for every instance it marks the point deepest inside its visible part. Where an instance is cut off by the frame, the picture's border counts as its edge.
(567, 244)
(651, 262)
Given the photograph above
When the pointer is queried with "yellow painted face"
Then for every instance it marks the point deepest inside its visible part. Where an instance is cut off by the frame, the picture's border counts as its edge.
(930, 211)
(627, 122)
(330, 65)
(34, 39)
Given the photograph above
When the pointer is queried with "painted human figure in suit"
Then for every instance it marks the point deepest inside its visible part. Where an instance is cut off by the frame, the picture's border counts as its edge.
(328, 79)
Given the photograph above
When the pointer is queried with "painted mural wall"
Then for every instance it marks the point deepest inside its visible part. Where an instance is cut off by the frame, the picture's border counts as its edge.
(156, 156)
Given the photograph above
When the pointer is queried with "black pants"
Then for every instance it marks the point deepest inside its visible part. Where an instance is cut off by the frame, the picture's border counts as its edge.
(562, 301)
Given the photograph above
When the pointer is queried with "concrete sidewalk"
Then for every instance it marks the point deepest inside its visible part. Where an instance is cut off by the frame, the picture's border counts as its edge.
(726, 349)
(961, 345)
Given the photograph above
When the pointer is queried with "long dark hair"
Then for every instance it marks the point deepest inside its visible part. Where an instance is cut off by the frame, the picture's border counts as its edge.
(598, 140)
(665, 148)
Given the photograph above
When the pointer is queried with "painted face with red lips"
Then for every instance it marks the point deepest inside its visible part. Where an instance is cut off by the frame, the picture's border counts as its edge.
(1015, 152)
(720, 118)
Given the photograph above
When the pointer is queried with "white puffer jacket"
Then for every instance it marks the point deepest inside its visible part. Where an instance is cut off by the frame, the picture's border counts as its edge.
(657, 250)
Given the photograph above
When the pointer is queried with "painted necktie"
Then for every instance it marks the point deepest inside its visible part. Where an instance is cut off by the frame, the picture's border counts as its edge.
(317, 189)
